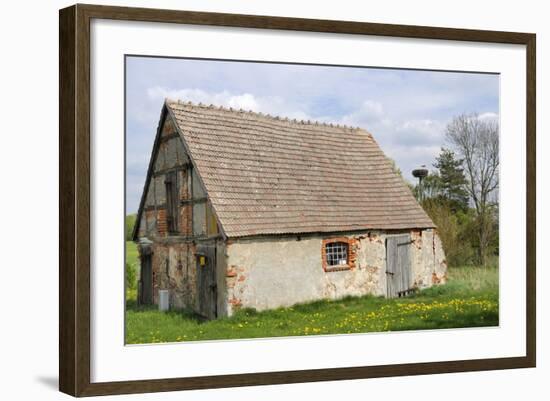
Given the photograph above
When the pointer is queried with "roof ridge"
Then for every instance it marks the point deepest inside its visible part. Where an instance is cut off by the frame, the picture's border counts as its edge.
(263, 115)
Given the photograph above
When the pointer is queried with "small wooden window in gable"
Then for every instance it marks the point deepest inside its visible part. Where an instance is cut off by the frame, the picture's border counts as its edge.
(172, 201)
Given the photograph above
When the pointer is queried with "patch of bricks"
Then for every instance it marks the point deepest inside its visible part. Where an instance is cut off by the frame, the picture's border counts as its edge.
(184, 220)
(162, 223)
(231, 271)
(353, 244)
(236, 303)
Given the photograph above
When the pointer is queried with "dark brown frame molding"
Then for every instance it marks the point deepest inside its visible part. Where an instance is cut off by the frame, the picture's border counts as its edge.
(74, 199)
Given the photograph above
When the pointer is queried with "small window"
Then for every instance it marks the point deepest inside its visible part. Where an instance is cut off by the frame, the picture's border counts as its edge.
(171, 184)
(336, 254)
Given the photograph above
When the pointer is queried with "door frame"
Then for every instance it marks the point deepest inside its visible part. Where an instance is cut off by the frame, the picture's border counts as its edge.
(209, 251)
(146, 257)
(390, 276)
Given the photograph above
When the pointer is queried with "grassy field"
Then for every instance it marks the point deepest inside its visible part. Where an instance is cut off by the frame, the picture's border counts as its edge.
(470, 299)
(133, 263)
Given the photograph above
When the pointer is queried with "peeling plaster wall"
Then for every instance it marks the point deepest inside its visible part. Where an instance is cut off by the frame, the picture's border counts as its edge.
(273, 272)
(428, 259)
(174, 270)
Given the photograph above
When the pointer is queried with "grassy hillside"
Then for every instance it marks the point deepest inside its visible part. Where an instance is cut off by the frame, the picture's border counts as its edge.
(469, 299)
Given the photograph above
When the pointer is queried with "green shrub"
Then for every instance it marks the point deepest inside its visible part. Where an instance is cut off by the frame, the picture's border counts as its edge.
(130, 222)
(131, 277)
(454, 228)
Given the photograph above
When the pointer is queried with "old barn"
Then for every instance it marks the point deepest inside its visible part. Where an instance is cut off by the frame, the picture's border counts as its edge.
(242, 209)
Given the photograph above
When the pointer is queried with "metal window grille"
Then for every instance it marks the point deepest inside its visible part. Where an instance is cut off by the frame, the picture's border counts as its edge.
(336, 253)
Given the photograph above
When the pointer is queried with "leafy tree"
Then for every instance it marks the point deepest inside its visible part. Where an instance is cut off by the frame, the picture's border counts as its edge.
(452, 182)
(431, 186)
(467, 227)
(477, 143)
(452, 227)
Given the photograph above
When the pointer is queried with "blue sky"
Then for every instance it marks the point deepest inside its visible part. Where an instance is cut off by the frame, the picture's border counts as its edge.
(406, 110)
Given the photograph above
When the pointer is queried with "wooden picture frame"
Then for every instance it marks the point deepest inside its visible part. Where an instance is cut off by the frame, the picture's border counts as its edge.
(75, 207)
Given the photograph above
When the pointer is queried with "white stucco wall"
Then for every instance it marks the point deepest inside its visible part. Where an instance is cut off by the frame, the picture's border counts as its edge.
(273, 272)
(428, 259)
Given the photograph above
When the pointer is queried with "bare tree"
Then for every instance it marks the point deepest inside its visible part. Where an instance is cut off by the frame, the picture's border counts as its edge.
(476, 141)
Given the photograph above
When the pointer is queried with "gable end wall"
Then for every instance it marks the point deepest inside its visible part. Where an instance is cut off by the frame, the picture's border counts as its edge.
(173, 254)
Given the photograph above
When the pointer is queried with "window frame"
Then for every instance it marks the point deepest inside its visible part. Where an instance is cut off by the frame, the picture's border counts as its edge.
(332, 268)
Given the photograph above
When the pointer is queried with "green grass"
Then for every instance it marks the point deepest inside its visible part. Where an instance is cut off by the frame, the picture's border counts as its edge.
(132, 260)
(470, 299)
(132, 254)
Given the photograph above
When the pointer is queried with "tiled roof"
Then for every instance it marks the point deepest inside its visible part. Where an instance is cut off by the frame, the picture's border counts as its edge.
(268, 175)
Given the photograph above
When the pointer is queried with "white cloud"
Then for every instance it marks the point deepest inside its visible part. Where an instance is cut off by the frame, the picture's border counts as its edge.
(245, 101)
(394, 130)
(420, 132)
(488, 116)
(274, 105)
(225, 98)
(368, 112)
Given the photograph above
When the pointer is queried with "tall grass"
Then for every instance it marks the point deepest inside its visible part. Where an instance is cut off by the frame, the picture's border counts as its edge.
(467, 281)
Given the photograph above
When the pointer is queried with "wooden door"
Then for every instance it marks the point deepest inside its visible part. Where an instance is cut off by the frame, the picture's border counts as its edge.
(206, 280)
(146, 280)
(398, 266)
